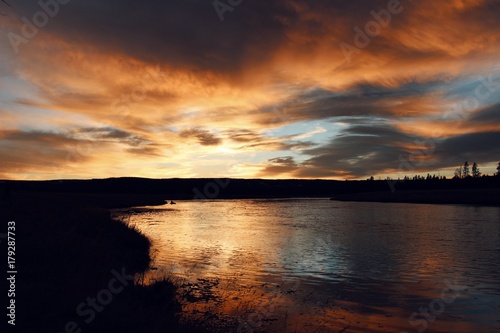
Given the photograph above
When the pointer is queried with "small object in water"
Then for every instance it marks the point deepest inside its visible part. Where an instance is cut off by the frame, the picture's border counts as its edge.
(172, 203)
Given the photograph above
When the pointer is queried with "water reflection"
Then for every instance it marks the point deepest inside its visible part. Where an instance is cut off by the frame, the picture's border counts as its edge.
(317, 265)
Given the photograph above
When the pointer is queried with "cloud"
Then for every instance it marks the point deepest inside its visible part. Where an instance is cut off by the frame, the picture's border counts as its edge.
(280, 165)
(73, 152)
(141, 82)
(480, 147)
(243, 135)
(185, 34)
(40, 151)
(150, 150)
(488, 115)
(204, 137)
(368, 149)
(357, 151)
(107, 133)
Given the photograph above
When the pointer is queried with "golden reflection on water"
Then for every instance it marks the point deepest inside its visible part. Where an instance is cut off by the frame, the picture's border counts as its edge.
(318, 265)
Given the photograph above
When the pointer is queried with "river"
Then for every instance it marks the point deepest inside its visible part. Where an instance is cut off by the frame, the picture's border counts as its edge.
(315, 265)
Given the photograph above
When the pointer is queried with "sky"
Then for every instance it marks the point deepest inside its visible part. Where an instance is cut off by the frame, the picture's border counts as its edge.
(248, 89)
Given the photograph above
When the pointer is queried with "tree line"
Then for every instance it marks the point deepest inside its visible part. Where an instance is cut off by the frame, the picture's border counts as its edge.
(466, 171)
(462, 172)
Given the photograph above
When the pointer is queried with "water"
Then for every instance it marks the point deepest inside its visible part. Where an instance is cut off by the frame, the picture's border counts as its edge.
(315, 265)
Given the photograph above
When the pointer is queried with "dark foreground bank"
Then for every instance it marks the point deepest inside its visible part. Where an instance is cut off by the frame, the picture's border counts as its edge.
(75, 267)
(484, 197)
(216, 188)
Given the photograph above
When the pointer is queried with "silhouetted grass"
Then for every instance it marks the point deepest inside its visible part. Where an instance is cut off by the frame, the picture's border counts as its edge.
(67, 247)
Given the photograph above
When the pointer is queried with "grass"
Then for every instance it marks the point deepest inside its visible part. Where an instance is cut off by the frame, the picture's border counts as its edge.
(66, 249)
(68, 245)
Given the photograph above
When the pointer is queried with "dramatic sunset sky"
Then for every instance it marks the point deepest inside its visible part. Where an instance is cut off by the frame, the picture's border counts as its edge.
(263, 89)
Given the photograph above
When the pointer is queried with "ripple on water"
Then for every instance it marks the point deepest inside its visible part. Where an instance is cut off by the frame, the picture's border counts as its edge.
(303, 265)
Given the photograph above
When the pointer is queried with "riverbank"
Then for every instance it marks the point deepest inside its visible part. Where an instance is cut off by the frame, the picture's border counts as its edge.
(482, 197)
(76, 266)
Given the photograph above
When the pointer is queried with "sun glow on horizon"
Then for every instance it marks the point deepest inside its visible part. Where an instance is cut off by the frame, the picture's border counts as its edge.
(104, 104)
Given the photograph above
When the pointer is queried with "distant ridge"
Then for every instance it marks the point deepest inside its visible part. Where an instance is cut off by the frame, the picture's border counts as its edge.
(225, 188)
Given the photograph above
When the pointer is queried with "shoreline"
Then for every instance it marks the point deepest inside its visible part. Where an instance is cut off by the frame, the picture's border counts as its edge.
(70, 248)
(476, 197)
(72, 252)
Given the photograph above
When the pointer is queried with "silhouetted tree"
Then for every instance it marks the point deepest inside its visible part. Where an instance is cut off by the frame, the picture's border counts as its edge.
(498, 169)
(466, 171)
(475, 170)
(458, 172)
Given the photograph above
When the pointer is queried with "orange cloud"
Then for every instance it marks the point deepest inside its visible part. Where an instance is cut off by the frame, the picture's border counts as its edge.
(193, 87)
